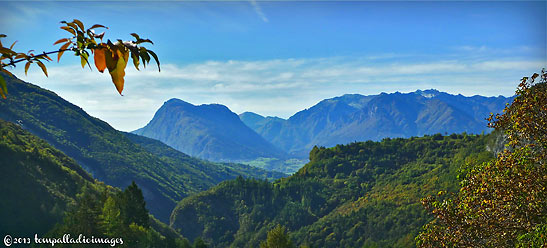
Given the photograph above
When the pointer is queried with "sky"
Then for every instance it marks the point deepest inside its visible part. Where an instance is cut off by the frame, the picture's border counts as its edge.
(276, 58)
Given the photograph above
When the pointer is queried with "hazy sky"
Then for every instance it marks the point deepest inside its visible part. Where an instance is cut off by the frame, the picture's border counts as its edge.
(276, 58)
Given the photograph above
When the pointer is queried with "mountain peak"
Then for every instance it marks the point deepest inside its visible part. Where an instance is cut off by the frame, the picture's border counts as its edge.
(176, 101)
(203, 107)
(251, 116)
(209, 131)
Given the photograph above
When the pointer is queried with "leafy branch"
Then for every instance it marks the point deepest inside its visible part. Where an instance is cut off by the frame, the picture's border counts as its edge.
(84, 43)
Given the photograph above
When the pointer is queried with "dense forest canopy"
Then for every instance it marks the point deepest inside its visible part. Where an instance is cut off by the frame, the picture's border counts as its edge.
(365, 193)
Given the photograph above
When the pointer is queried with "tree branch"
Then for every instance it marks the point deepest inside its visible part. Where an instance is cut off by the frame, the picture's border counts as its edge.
(13, 62)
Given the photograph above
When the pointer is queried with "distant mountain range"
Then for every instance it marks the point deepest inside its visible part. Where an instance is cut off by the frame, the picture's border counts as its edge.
(116, 158)
(355, 117)
(215, 133)
(211, 132)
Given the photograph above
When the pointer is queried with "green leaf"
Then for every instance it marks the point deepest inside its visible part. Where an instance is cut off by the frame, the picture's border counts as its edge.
(155, 58)
(84, 59)
(135, 58)
(136, 36)
(144, 56)
(144, 41)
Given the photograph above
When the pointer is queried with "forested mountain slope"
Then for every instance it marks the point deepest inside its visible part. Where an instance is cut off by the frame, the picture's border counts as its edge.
(109, 155)
(39, 182)
(45, 193)
(365, 193)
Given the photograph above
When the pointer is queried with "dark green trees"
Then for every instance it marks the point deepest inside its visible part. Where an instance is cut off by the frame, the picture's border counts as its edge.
(121, 214)
(133, 206)
(365, 193)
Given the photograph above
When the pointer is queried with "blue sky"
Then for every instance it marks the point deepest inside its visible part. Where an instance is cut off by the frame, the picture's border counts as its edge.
(276, 58)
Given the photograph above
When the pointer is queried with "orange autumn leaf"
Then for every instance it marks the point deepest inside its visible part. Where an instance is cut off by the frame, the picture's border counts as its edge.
(62, 50)
(100, 61)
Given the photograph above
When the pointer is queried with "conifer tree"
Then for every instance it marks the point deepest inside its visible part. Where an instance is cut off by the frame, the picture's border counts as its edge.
(134, 206)
(277, 238)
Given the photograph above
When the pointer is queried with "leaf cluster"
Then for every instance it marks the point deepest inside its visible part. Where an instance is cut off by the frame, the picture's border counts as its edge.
(83, 42)
(113, 56)
(11, 57)
(525, 120)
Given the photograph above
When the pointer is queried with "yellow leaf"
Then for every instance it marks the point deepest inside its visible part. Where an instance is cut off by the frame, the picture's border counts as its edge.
(83, 60)
(110, 59)
(119, 72)
(100, 61)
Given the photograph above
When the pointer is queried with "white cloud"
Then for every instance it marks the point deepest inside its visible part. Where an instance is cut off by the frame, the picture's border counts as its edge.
(278, 87)
(258, 10)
